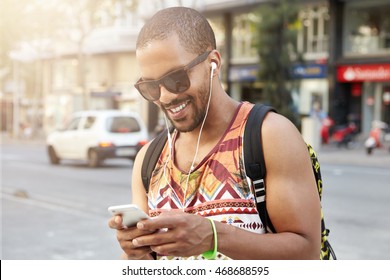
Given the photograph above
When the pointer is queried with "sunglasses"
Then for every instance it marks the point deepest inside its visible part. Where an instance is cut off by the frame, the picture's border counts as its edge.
(176, 81)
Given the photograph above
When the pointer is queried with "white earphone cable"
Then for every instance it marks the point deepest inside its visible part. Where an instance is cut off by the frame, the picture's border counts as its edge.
(200, 134)
(197, 145)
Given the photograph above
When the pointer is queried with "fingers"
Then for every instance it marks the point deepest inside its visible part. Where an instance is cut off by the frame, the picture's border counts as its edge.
(166, 220)
(171, 233)
(179, 234)
(170, 249)
(135, 253)
(162, 242)
(128, 234)
(115, 222)
(125, 238)
(160, 237)
(172, 242)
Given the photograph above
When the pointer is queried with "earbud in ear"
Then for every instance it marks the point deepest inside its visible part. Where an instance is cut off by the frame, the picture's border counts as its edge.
(213, 65)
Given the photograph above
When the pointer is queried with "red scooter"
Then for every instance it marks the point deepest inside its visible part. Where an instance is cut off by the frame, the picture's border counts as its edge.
(342, 135)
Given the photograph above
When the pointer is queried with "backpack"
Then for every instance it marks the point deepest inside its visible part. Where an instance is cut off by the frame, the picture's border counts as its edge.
(254, 167)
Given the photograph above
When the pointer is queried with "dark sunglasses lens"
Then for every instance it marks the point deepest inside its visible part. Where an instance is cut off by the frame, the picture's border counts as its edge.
(149, 90)
(177, 82)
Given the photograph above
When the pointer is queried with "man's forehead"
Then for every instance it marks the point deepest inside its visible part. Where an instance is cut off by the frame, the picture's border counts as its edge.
(161, 58)
(172, 40)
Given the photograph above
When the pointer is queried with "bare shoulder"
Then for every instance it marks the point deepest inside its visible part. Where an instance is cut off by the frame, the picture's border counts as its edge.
(286, 155)
(279, 134)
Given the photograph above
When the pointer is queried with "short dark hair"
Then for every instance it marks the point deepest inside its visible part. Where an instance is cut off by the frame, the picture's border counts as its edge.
(192, 28)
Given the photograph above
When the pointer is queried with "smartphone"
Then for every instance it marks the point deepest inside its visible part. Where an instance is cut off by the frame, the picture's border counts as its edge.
(131, 214)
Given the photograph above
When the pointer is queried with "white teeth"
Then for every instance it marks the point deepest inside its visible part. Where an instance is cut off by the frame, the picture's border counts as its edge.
(179, 108)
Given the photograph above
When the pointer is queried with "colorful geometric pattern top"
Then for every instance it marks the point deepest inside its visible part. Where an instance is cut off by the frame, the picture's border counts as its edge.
(218, 187)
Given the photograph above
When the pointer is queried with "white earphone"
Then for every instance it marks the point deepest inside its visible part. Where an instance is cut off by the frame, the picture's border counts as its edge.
(170, 157)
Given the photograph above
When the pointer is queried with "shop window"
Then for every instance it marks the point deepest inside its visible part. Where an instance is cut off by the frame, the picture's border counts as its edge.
(243, 32)
(367, 28)
(314, 34)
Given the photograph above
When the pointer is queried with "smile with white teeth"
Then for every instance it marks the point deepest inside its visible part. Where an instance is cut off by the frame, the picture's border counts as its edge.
(178, 108)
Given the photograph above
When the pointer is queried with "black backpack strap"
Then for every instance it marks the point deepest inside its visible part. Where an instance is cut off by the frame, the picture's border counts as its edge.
(254, 159)
(151, 156)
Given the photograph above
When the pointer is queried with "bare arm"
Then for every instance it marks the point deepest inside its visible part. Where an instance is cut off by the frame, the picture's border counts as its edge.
(292, 200)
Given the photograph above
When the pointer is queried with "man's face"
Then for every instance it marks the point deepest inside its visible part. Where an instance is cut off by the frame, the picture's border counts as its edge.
(187, 109)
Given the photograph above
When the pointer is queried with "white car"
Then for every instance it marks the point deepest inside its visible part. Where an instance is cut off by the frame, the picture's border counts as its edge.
(98, 135)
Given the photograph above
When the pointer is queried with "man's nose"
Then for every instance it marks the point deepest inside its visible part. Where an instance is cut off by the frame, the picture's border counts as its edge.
(165, 95)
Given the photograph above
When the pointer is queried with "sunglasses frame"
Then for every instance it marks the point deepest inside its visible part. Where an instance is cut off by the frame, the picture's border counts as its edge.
(156, 83)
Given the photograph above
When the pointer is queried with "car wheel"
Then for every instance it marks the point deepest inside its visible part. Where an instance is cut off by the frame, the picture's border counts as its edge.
(93, 158)
(54, 159)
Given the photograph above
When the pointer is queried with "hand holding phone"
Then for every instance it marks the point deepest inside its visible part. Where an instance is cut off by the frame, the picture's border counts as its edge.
(131, 214)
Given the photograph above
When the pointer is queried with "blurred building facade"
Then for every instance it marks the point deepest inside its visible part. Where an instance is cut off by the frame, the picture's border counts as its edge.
(241, 60)
(346, 47)
(360, 61)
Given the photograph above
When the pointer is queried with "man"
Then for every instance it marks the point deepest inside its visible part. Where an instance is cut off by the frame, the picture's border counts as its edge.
(200, 176)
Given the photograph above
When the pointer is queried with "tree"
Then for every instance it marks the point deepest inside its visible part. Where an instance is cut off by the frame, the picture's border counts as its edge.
(35, 31)
(25, 27)
(276, 45)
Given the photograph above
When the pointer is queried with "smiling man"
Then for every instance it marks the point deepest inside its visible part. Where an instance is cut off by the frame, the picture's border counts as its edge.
(199, 195)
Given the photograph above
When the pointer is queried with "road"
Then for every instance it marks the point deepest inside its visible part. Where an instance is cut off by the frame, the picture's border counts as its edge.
(60, 212)
(357, 210)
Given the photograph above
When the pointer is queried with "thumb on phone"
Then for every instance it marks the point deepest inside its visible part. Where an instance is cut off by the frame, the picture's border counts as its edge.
(115, 222)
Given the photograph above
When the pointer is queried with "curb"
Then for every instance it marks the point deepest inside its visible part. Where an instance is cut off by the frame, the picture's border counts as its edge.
(356, 157)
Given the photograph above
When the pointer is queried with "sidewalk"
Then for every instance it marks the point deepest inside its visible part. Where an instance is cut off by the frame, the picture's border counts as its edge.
(7, 139)
(328, 154)
(357, 156)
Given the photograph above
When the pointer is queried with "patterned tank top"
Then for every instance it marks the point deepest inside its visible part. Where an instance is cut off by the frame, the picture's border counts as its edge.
(218, 187)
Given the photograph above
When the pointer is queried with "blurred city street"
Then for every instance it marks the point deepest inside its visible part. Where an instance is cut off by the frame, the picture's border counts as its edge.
(325, 65)
(60, 212)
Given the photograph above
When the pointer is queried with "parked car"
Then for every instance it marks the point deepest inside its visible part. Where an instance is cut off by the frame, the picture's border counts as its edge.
(98, 135)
